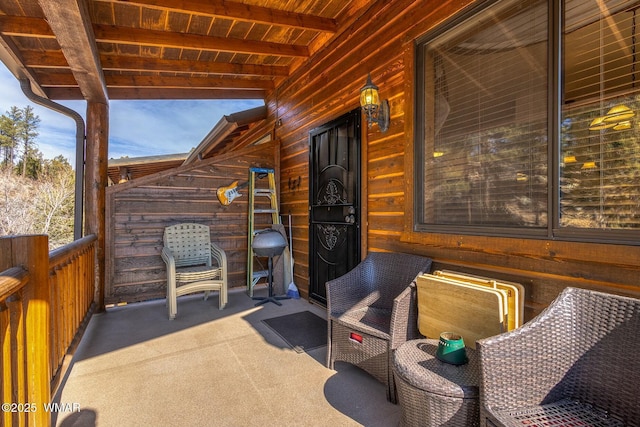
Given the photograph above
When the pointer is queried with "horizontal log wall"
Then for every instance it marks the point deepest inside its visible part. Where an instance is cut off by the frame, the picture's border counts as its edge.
(139, 210)
(327, 86)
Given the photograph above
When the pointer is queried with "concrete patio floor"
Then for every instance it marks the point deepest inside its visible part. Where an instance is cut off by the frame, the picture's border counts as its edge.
(208, 367)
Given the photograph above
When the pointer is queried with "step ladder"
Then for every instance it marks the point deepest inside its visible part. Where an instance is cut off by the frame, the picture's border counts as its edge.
(254, 192)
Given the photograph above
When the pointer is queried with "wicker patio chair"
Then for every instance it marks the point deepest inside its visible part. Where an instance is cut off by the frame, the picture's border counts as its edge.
(189, 254)
(575, 364)
(372, 311)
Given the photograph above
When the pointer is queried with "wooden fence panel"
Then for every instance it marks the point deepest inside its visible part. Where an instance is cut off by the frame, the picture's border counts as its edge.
(139, 210)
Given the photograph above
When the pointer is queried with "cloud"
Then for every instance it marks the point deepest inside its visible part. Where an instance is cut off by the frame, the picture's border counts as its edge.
(143, 128)
(136, 128)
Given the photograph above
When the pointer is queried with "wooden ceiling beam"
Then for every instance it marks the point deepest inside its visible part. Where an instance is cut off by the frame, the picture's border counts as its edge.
(68, 80)
(131, 63)
(137, 36)
(71, 93)
(188, 82)
(164, 93)
(71, 24)
(44, 59)
(242, 12)
(51, 59)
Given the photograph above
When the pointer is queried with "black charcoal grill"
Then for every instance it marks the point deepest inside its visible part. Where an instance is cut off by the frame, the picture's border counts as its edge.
(269, 243)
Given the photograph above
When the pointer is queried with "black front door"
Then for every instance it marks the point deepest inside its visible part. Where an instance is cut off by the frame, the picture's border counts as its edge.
(334, 202)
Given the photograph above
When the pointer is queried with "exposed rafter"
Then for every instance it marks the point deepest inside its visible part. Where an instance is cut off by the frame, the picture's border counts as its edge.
(38, 59)
(67, 79)
(25, 26)
(70, 22)
(139, 36)
(128, 93)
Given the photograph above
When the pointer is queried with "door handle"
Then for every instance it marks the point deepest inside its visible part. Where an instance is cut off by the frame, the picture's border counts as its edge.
(350, 218)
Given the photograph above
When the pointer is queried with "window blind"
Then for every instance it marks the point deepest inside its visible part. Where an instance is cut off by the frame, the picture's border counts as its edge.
(599, 140)
(485, 148)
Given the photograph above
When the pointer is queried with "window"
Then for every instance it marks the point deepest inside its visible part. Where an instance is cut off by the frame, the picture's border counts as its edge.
(529, 128)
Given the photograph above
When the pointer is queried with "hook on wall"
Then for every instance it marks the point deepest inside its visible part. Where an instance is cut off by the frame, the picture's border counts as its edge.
(294, 184)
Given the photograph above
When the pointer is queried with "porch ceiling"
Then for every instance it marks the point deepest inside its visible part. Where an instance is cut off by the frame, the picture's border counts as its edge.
(165, 49)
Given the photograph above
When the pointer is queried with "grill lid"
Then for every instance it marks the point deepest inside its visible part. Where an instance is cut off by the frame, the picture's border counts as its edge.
(268, 243)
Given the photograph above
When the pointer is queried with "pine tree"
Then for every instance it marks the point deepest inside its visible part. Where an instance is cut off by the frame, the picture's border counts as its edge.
(27, 133)
(9, 134)
(36, 195)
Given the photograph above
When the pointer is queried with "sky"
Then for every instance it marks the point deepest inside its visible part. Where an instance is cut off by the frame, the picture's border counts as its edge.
(136, 128)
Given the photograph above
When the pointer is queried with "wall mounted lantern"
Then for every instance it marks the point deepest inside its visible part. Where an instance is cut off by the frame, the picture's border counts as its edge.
(376, 111)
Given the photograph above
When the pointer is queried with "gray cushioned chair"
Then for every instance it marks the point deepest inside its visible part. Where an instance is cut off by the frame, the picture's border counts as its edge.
(577, 363)
(372, 310)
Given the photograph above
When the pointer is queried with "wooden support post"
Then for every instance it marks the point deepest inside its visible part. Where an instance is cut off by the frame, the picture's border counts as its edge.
(95, 188)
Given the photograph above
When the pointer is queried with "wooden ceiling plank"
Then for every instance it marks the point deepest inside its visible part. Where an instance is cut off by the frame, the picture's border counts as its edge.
(243, 12)
(131, 16)
(70, 22)
(124, 35)
(102, 12)
(200, 24)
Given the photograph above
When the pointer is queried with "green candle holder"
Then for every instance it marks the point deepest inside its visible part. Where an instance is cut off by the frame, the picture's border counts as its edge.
(451, 349)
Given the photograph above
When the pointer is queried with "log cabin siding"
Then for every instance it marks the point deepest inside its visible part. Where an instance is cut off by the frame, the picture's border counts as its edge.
(382, 42)
(139, 210)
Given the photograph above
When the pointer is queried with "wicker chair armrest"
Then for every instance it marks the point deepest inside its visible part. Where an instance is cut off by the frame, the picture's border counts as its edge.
(404, 317)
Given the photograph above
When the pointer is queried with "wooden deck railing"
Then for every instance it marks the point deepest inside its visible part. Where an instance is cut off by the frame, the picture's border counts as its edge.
(71, 281)
(45, 299)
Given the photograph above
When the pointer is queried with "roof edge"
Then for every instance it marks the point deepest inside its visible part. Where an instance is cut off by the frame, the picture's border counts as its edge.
(223, 128)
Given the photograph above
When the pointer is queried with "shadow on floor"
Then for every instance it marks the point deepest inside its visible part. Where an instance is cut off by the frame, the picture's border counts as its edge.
(211, 367)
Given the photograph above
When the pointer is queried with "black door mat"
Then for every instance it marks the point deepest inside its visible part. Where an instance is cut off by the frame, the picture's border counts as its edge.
(302, 331)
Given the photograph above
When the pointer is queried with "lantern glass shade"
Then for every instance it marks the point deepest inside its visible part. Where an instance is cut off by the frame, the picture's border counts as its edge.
(375, 110)
(369, 97)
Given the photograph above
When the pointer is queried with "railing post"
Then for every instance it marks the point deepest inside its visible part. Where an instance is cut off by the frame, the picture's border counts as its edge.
(32, 253)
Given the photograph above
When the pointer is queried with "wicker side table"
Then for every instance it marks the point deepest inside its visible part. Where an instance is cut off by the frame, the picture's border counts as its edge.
(433, 393)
